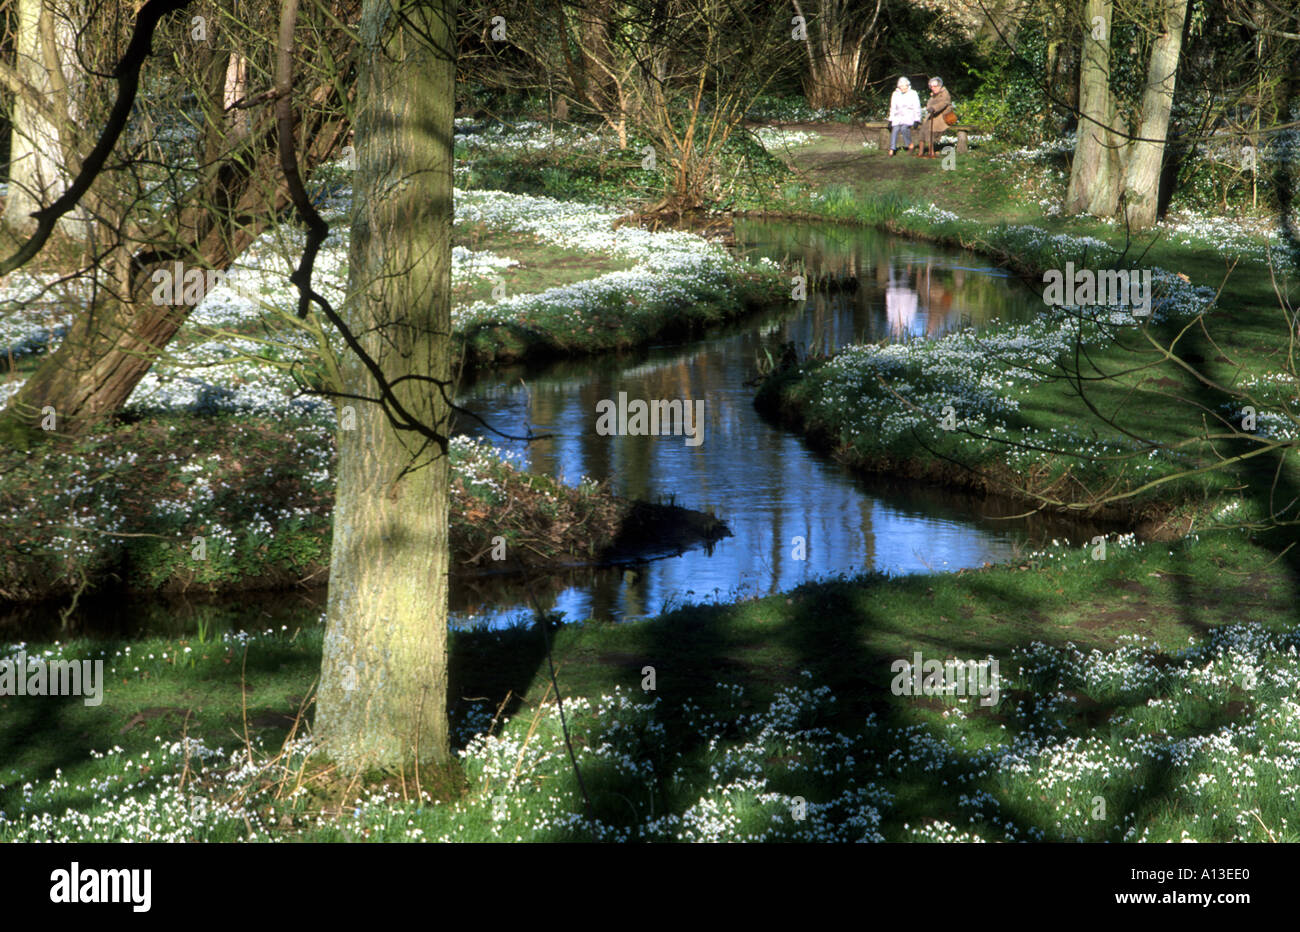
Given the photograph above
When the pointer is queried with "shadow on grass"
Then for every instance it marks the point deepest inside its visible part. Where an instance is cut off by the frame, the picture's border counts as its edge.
(838, 631)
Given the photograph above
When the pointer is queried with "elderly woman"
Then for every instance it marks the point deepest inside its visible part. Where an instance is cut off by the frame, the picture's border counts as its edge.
(932, 123)
(904, 113)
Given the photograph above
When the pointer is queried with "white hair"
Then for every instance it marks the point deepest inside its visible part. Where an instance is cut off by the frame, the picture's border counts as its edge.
(937, 80)
(903, 82)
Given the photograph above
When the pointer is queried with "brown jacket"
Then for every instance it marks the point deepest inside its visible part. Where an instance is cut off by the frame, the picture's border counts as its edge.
(932, 119)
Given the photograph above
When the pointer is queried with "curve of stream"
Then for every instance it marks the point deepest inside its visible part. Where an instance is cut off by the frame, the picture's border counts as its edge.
(795, 515)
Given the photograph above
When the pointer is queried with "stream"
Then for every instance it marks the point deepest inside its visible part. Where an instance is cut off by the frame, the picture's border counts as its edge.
(781, 500)
(795, 515)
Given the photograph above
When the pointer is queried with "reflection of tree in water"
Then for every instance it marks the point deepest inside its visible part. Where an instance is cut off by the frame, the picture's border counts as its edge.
(939, 315)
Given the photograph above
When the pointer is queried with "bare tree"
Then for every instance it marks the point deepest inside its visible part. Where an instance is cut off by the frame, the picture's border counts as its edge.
(841, 38)
(681, 73)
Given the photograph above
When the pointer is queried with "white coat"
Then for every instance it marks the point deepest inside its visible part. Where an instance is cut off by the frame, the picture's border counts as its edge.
(904, 108)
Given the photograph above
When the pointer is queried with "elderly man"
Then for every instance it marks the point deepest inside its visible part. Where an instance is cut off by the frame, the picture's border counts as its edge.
(932, 122)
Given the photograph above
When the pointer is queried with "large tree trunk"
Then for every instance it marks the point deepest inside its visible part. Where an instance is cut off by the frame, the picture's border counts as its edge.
(92, 373)
(108, 350)
(1095, 173)
(43, 117)
(1146, 155)
(382, 700)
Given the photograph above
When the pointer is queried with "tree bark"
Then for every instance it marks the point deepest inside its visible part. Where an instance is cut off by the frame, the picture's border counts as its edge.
(1146, 155)
(43, 117)
(108, 350)
(382, 700)
(1095, 174)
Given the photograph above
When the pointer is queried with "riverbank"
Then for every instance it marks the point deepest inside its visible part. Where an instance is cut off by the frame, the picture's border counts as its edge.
(225, 503)
(1001, 410)
(1149, 696)
(677, 285)
(533, 277)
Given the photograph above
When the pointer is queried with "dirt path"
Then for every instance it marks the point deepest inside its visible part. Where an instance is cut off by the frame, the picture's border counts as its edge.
(974, 188)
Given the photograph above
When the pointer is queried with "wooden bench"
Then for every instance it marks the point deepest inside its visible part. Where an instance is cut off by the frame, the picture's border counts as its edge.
(879, 131)
(961, 129)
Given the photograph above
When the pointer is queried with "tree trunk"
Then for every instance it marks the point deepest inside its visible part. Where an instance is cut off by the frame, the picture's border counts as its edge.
(92, 373)
(839, 41)
(1142, 176)
(43, 118)
(1095, 174)
(999, 22)
(108, 350)
(1049, 86)
(382, 700)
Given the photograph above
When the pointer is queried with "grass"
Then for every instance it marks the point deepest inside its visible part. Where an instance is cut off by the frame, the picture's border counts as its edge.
(680, 285)
(1159, 682)
(612, 320)
(608, 176)
(1171, 739)
(540, 265)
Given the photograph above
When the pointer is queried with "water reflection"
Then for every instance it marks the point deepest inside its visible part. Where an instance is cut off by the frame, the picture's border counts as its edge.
(795, 515)
(883, 288)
